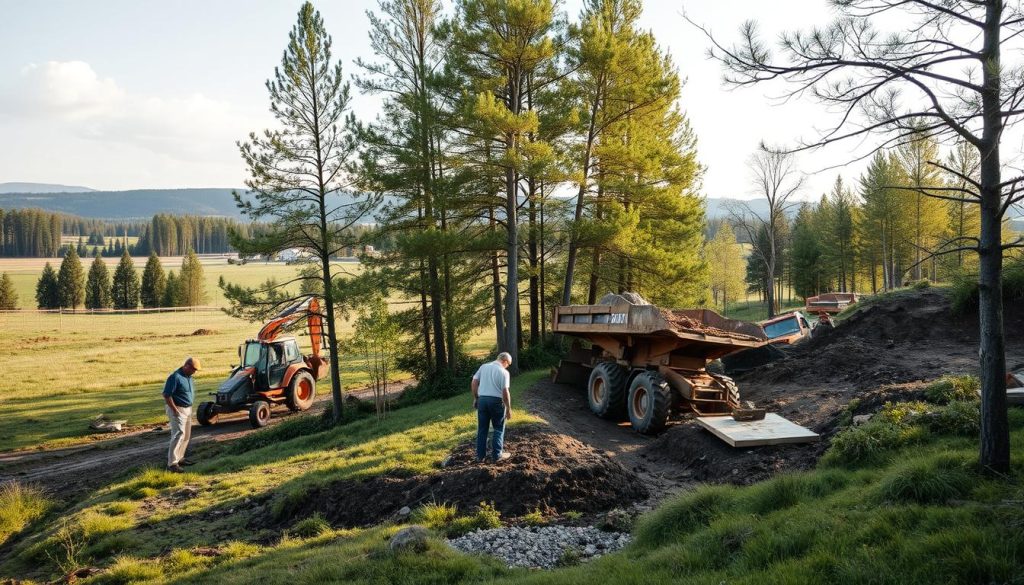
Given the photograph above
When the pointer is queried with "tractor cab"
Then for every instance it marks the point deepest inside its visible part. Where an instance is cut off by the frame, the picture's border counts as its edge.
(269, 360)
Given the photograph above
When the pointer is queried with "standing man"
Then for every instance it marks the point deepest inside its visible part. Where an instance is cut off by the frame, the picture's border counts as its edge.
(179, 393)
(493, 406)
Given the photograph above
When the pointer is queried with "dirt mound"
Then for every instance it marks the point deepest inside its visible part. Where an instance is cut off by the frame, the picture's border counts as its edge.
(547, 470)
(205, 332)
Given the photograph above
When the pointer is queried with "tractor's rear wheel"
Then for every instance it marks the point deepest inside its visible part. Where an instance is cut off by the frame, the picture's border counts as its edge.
(259, 414)
(650, 399)
(606, 391)
(207, 414)
(301, 392)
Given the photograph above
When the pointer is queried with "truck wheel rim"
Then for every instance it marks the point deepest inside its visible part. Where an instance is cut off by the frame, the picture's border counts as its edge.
(305, 389)
(597, 392)
(264, 413)
(640, 402)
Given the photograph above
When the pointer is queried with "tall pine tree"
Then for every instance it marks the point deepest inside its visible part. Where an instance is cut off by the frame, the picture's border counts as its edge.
(154, 283)
(71, 280)
(125, 289)
(97, 287)
(47, 289)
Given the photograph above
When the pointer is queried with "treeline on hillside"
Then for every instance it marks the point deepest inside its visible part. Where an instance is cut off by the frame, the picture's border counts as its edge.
(878, 233)
(71, 287)
(35, 233)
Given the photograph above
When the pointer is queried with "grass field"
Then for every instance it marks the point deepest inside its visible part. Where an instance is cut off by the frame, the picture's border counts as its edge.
(61, 371)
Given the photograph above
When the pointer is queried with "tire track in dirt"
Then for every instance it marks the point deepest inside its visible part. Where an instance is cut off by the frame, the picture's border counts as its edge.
(75, 470)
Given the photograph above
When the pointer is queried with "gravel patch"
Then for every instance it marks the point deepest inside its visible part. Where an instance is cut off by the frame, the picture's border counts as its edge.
(541, 547)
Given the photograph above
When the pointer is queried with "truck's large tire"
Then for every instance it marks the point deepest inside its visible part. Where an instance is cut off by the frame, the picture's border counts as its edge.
(207, 414)
(650, 399)
(300, 392)
(259, 414)
(606, 390)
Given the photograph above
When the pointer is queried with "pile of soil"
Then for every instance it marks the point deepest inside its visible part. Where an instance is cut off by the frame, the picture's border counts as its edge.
(547, 470)
(205, 332)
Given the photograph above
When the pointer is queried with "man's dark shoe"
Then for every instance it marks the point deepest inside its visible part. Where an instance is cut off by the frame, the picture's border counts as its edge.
(187, 462)
(175, 469)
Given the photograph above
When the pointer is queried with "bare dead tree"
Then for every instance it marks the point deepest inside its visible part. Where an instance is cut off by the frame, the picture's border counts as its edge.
(942, 73)
(777, 179)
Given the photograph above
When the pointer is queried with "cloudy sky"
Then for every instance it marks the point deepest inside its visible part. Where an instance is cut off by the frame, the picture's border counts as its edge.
(131, 94)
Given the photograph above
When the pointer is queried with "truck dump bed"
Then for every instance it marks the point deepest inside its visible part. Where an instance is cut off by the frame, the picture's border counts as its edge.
(697, 332)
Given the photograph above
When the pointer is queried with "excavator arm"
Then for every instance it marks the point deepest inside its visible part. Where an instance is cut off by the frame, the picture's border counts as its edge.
(307, 308)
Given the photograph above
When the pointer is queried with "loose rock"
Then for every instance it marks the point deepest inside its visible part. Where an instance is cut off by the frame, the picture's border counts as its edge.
(412, 538)
(541, 547)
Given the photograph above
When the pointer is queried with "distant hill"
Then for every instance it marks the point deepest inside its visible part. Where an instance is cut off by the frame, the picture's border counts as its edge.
(136, 203)
(41, 188)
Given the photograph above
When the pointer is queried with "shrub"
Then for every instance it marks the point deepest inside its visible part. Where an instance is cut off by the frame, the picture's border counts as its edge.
(181, 560)
(960, 417)
(485, 517)
(435, 515)
(862, 443)
(570, 557)
(928, 481)
(573, 515)
(953, 387)
(151, 480)
(903, 412)
(535, 518)
(921, 284)
(684, 515)
(311, 527)
(19, 505)
(127, 570)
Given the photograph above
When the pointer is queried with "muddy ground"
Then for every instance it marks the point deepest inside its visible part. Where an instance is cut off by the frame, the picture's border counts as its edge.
(886, 351)
(547, 471)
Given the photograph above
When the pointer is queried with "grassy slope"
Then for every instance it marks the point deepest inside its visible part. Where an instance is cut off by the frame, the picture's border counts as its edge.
(140, 516)
(858, 524)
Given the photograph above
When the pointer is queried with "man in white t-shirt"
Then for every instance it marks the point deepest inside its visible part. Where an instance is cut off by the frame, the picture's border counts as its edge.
(493, 406)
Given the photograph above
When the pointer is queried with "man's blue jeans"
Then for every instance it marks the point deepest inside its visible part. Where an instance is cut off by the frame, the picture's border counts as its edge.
(490, 411)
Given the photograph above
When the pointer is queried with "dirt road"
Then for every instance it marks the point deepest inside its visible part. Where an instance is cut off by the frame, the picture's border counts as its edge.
(78, 469)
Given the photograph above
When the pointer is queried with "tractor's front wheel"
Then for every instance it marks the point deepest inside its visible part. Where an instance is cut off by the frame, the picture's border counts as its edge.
(259, 414)
(207, 414)
(650, 398)
(301, 392)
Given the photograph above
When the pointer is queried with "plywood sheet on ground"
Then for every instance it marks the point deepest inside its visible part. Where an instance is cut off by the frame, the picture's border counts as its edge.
(772, 430)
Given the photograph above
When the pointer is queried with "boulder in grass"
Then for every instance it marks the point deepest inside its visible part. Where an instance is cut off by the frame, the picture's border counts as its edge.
(411, 538)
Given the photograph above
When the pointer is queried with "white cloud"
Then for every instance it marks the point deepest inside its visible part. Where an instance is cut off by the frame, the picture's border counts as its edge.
(72, 102)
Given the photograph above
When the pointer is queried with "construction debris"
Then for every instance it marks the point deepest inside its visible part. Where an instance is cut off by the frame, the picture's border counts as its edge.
(747, 412)
(102, 423)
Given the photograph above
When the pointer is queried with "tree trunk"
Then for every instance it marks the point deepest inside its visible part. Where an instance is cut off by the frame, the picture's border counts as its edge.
(532, 251)
(570, 262)
(995, 432)
(499, 320)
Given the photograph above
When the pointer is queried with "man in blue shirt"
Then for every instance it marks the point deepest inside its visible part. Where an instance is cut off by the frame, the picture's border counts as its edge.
(179, 393)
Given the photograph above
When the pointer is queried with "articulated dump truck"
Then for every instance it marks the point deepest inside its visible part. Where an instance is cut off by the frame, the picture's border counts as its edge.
(646, 362)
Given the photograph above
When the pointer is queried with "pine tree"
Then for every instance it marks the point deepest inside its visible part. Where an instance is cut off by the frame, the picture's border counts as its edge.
(97, 287)
(71, 280)
(172, 296)
(47, 290)
(126, 284)
(805, 256)
(8, 296)
(191, 280)
(154, 283)
(929, 213)
(839, 217)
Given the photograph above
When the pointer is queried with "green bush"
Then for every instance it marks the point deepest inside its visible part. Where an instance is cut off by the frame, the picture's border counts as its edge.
(310, 527)
(921, 284)
(964, 292)
(953, 387)
(899, 413)
(127, 570)
(485, 517)
(961, 417)
(535, 518)
(435, 515)
(928, 481)
(863, 443)
(684, 514)
(19, 505)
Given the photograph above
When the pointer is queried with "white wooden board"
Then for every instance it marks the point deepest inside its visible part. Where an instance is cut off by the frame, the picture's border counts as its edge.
(773, 430)
(1015, 396)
